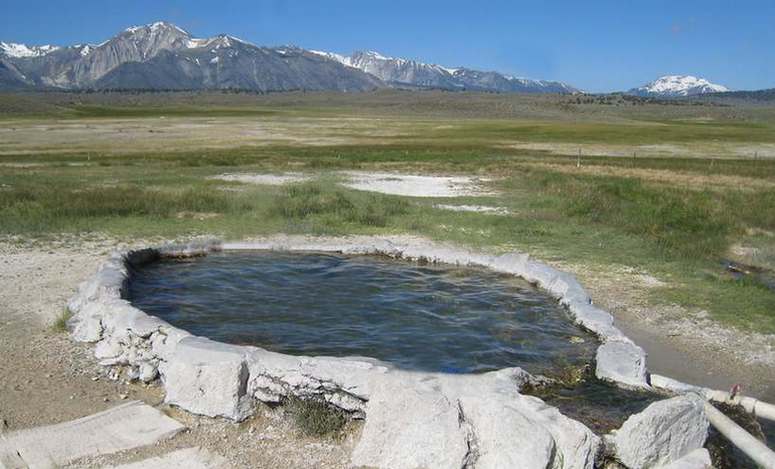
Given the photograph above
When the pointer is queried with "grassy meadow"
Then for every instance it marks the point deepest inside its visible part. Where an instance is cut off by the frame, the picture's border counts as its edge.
(697, 186)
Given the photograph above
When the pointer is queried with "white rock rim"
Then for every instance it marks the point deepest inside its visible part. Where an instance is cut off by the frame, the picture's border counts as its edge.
(222, 380)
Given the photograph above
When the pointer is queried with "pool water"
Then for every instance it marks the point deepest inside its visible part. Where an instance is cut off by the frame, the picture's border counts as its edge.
(419, 317)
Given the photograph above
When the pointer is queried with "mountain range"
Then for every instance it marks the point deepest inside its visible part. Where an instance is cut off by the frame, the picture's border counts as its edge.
(411, 73)
(162, 56)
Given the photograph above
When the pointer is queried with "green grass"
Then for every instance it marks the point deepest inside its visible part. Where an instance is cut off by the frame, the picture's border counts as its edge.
(93, 111)
(60, 323)
(673, 230)
(325, 208)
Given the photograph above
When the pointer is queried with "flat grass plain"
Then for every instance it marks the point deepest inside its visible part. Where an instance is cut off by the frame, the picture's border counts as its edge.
(684, 187)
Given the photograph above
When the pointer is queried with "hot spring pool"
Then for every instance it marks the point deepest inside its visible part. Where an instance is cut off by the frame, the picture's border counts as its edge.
(420, 317)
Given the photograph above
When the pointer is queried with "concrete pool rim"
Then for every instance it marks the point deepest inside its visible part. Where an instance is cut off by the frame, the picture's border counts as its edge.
(223, 380)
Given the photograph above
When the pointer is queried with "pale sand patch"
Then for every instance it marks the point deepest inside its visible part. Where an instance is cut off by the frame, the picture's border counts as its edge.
(474, 208)
(264, 179)
(413, 185)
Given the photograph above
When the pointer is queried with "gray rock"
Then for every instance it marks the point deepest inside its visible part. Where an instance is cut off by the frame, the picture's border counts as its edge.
(665, 432)
(208, 378)
(86, 326)
(108, 348)
(410, 424)
(343, 382)
(697, 459)
(487, 424)
(622, 362)
(147, 372)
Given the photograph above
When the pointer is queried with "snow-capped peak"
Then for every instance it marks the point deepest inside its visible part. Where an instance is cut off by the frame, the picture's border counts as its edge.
(376, 55)
(679, 85)
(155, 27)
(13, 49)
(216, 42)
(342, 59)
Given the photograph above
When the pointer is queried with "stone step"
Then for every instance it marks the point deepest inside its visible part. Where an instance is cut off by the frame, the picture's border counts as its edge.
(123, 427)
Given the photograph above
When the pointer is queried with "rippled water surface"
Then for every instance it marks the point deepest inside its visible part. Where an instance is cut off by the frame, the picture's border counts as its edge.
(438, 318)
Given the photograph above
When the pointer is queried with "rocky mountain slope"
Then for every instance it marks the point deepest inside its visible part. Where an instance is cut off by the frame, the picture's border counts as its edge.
(404, 72)
(673, 86)
(164, 56)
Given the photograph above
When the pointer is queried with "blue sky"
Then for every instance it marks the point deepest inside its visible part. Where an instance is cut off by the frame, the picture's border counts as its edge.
(595, 45)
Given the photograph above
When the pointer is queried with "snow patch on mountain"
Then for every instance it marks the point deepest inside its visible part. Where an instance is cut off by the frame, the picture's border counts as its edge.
(155, 27)
(13, 49)
(678, 85)
(409, 72)
(342, 59)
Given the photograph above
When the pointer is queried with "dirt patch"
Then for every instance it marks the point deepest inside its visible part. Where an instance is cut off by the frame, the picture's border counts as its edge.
(264, 179)
(475, 209)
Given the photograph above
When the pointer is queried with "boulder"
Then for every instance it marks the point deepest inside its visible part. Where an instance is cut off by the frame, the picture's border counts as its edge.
(208, 378)
(622, 362)
(663, 433)
(440, 420)
(410, 424)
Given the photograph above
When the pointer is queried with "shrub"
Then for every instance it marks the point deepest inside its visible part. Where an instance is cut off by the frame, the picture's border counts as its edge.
(315, 417)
